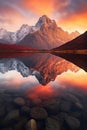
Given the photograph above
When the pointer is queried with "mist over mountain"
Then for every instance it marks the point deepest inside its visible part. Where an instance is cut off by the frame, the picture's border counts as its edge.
(44, 35)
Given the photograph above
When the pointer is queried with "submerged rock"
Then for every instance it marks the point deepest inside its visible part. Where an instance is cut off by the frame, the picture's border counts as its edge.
(65, 106)
(79, 105)
(52, 124)
(12, 116)
(38, 113)
(19, 101)
(72, 98)
(72, 122)
(52, 106)
(25, 110)
(31, 125)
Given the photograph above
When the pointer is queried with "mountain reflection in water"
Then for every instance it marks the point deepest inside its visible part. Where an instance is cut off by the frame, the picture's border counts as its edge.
(78, 59)
(61, 104)
(44, 65)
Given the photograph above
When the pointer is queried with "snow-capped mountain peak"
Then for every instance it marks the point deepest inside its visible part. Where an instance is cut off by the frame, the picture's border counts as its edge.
(45, 25)
(23, 31)
(14, 37)
(44, 20)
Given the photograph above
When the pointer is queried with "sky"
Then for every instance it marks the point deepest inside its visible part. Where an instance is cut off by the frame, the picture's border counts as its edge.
(71, 15)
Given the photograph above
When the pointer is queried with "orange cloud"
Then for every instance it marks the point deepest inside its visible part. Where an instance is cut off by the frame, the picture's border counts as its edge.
(14, 21)
(71, 15)
(75, 22)
(40, 6)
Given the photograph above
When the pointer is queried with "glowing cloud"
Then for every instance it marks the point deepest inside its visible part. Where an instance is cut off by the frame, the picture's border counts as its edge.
(69, 14)
(40, 7)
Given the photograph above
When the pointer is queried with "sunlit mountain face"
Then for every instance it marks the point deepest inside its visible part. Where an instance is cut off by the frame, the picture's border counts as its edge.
(43, 65)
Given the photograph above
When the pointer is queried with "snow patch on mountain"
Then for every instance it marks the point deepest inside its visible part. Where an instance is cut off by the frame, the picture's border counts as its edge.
(15, 37)
(44, 23)
(44, 20)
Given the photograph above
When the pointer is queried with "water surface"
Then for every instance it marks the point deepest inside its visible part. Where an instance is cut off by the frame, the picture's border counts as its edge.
(43, 92)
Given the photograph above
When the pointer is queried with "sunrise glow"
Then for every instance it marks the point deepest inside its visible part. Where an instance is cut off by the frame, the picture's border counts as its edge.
(70, 15)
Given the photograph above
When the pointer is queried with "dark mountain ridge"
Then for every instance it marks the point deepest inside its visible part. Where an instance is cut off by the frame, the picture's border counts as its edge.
(79, 43)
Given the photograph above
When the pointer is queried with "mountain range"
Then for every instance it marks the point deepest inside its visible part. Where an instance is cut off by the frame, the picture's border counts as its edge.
(44, 35)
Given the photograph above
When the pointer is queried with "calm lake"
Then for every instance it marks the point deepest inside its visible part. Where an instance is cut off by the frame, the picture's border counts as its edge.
(43, 91)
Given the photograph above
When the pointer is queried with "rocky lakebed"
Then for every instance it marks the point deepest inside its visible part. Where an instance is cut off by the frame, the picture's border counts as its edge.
(67, 111)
